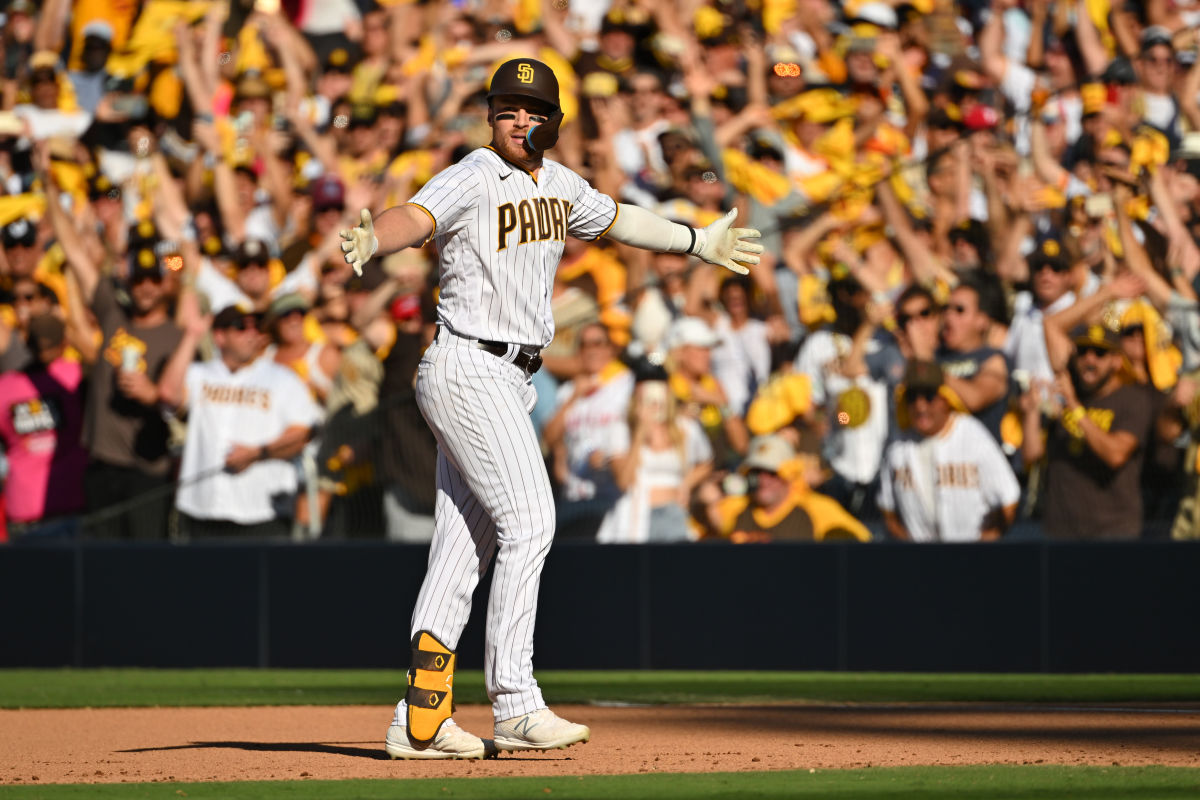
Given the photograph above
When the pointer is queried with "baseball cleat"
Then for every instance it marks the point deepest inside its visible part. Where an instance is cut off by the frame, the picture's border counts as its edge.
(451, 742)
(541, 730)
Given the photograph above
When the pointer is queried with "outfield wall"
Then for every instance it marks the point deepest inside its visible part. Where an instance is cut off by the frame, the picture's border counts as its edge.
(1012, 607)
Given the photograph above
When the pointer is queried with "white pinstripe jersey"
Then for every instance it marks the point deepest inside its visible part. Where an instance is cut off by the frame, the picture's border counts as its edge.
(500, 235)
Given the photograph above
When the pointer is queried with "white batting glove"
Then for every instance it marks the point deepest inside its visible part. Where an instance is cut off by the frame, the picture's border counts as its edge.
(360, 242)
(720, 244)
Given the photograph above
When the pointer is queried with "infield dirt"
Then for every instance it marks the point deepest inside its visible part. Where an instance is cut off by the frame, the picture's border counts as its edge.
(139, 745)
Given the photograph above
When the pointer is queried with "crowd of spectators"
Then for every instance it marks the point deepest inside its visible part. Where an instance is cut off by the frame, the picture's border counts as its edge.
(976, 315)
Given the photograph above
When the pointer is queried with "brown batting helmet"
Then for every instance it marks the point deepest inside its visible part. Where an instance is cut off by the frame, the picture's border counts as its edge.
(528, 77)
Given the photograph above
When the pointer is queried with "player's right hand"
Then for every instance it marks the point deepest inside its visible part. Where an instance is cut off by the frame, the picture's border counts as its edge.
(360, 242)
(726, 246)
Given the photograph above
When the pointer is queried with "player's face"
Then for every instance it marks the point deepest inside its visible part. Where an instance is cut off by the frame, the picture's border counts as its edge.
(511, 117)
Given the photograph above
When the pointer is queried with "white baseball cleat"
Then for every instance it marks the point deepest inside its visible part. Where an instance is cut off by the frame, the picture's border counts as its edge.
(541, 730)
(450, 742)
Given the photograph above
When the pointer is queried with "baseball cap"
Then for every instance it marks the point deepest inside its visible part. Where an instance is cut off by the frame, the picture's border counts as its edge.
(1095, 336)
(251, 86)
(285, 304)
(251, 251)
(363, 115)
(1156, 35)
(100, 29)
(20, 232)
(101, 186)
(45, 330)
(1050, 251)
(22, 7)
(691, 331)
(234, 316)
(923, 376)
(881, 14)
(328, 192)
(144, 263)
(1120, 71)
(768, 453)
(44, 59)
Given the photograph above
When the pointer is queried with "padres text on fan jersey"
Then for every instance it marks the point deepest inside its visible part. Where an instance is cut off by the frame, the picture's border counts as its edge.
(500, 234)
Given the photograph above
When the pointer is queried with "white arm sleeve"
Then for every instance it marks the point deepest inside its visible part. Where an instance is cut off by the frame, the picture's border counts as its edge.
(637, 227)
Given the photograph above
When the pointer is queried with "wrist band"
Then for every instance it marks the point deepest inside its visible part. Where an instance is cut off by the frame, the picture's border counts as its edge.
(263, 453)
(692, 246)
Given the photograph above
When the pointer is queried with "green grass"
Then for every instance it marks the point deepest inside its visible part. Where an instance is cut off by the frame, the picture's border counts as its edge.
(950, 783)
(74, 688)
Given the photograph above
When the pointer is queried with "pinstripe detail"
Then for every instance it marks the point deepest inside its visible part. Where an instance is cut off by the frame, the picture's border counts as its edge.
(616, 214)
(432, 219)
(494, 501)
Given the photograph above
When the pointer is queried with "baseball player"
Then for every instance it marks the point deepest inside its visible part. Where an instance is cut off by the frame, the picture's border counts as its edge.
(499, 219)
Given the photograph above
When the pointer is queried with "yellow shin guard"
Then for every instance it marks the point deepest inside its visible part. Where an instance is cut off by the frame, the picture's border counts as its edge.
(430, 695)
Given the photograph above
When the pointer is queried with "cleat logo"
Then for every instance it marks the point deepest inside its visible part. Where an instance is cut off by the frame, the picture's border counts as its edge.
(524, 725)
(525, 73)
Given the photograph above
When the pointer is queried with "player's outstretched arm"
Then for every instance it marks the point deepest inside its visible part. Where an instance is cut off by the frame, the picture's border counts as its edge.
(718, 243)
(397, 228)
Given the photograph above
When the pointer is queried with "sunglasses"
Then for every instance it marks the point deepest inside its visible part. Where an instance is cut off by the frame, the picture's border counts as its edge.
(1091, 349)
(1161, 61)
(924, 313)
(138, 279)
(244, 324)
(1055, 266)
(958, 308)
(592, 342)
(927, 395)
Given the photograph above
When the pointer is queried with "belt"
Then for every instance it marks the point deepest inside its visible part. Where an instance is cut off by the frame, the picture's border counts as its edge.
(527, 359)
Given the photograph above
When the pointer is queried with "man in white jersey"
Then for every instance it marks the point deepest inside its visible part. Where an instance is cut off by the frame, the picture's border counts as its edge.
(247, 416)
(499, 219)
(945, 479)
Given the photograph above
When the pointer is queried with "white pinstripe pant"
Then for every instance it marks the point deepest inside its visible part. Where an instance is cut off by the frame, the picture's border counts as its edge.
(493, 498)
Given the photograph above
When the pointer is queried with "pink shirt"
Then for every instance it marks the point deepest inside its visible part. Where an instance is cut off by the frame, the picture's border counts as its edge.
(41, 422)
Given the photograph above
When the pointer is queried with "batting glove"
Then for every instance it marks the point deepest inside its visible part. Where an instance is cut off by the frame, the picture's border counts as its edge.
(720, 244)
(361, 243)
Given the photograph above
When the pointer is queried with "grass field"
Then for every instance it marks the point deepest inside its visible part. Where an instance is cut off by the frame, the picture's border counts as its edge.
(944, 783)
(110, 687)
(72, 688)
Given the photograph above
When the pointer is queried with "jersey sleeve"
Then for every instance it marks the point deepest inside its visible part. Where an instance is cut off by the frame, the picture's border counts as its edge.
(997, 483)
(592, 212)
(448, 197)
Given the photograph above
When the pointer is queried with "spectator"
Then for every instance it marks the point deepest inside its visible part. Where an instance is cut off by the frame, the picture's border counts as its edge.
(779, 506)
(124, 432)
(313, 363)
(698, 392)
(1096, 446)
(41, 419)
(975, 371)
(945, 480)
(592, 409)
(659, 457)
(246, 417)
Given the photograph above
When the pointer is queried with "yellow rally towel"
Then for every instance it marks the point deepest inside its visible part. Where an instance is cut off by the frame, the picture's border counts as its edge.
(1163, 358)
(152, 37)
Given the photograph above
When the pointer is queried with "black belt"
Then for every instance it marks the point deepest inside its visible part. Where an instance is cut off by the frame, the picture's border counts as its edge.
(527, 359)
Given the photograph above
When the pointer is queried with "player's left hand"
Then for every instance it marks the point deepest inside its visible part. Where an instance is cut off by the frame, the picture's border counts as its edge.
(360, 242)
(727, 246)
